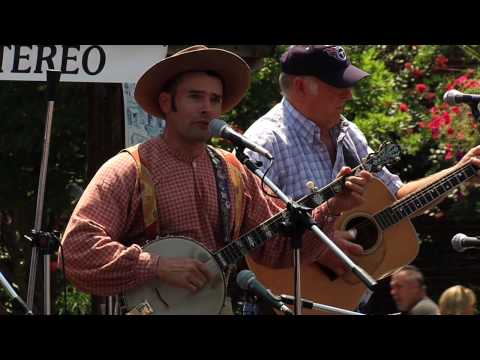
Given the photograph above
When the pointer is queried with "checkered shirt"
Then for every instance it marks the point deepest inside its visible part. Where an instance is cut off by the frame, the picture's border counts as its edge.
(101, 241)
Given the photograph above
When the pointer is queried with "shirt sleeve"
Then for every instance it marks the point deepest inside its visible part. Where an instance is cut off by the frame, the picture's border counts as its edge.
(95, 259)
(277, 252)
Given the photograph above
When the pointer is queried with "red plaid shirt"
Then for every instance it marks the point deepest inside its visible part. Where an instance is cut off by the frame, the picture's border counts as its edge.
(100, 244)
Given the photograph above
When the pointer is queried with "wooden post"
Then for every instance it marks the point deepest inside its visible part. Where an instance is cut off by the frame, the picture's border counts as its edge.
(105, 137)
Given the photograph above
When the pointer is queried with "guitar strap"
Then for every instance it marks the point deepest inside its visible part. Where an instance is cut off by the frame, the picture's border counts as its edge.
(349, 153)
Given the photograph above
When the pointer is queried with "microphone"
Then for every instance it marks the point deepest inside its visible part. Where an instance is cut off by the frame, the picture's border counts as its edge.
(462, 242)
(246, 280)
(453, 97)
(221, 129)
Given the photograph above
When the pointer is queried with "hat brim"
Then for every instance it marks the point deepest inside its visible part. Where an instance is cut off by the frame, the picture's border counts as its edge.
(233, 70)
(348, 78)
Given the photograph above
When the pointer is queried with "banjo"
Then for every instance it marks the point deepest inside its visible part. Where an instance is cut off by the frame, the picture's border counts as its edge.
(157, 298)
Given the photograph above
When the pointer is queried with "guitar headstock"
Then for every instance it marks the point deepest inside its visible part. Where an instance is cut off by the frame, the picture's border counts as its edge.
(387, 154)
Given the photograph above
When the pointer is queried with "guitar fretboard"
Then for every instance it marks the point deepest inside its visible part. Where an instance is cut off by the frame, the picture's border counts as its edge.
(235, 250)
(411, 204)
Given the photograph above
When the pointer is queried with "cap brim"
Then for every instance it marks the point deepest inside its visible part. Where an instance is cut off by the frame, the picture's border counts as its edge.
(233, 70)
(351, 76)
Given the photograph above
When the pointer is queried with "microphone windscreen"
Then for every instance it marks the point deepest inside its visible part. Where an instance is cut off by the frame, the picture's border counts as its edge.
(449, 97)
(457, 242)
(216, 126)
(243, 279)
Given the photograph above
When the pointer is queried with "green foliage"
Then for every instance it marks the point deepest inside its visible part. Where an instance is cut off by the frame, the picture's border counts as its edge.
(78, 303)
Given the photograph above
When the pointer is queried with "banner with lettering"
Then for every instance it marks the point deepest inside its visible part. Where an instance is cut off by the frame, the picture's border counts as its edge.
(79, 63)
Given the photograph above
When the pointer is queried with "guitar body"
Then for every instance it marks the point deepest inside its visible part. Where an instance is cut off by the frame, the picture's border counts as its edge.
(157, 298)
(384, 252)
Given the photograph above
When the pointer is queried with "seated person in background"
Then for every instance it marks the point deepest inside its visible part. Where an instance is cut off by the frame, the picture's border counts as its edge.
(458, 300)
(408, 290)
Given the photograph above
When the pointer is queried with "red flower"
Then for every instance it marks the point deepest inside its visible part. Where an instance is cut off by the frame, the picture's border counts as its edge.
(450, 131)
(418, 73)
(447, 120)
(456, 110)
(421, 88)
(460, 135)
(421, 124)
(435, 123)
(431, 96)
(435, 133)
(403, 107)
(441, 61)
(408, 66)
(449, 152)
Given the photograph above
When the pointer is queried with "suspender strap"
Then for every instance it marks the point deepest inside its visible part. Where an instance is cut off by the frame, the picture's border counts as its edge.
(149, 201)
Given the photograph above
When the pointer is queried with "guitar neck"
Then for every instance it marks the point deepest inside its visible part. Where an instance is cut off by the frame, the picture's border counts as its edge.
(235, 250)
(423, 198)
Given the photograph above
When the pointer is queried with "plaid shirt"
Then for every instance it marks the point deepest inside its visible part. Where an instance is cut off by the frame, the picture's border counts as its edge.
(101, 241)
(300, 155)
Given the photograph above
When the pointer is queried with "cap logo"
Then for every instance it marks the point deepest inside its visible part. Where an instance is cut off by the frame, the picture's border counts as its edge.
(336, 52)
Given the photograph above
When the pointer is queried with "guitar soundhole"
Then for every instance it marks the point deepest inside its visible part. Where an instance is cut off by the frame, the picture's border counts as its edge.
(367, 232)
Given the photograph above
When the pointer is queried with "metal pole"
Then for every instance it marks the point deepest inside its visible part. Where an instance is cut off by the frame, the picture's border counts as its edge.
(53, 77)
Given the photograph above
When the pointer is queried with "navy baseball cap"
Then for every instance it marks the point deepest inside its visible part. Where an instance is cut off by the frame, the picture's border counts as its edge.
(329, 63)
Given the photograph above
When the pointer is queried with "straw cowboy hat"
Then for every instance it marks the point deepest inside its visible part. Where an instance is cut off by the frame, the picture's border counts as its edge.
(233, 70)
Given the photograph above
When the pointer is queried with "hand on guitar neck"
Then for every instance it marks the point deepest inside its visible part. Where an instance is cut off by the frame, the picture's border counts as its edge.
(473, 156)
(352, 196)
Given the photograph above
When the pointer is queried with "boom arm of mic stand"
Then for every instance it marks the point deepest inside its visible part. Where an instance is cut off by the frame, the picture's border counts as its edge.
(359, 272)
(308, 304)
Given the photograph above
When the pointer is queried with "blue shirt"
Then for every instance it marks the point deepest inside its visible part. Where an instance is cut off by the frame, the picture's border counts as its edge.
(301, 156)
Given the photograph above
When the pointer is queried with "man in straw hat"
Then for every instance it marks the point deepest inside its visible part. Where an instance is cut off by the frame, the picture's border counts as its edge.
(175, 185)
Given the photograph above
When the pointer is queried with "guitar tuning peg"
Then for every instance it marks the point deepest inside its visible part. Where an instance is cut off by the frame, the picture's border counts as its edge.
(311, 186)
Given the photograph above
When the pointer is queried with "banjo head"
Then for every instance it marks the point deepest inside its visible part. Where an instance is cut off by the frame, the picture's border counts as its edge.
(157, 298)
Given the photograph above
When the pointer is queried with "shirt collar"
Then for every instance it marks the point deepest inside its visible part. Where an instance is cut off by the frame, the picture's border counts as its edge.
(306, 128)
(301, 124)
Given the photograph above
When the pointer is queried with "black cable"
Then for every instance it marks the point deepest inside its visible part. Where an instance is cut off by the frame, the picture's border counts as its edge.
(263, 182)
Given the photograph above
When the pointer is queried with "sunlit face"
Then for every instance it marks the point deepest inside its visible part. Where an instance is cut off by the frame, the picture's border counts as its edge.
(325, 102)
(198, 100)
(405, 291)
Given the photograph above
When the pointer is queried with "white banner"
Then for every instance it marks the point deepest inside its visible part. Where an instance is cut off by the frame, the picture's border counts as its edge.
(139, 125)
(79, 63)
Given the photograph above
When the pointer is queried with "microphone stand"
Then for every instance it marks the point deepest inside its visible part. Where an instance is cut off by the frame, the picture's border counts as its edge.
(308, 304)
(45, 241)
(14, 295)
(299, 221)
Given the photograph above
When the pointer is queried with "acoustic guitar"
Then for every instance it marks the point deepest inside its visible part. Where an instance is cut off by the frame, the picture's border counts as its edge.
(385, 232)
